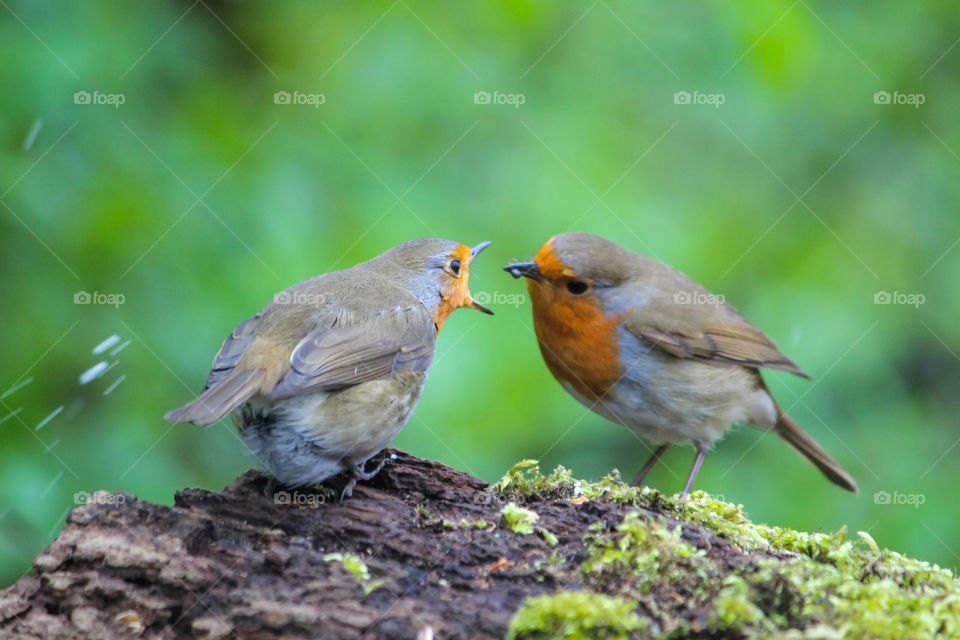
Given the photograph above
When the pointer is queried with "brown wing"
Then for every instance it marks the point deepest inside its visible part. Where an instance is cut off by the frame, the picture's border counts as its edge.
(345, 355)
(713, 332)
(233, 347)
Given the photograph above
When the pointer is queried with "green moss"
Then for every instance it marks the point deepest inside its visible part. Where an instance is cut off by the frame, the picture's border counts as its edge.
(423, 513)
(645, 552)
(732, 608)
(841, 584)
(787, 583)
(548, 537)
(357, 567)
(524, 480)
(474, 524)
(463, 523)
(648, 560)
(576, 615)
(518, 519)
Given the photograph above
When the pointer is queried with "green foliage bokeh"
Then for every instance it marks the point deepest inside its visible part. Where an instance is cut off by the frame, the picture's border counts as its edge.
(800, 198)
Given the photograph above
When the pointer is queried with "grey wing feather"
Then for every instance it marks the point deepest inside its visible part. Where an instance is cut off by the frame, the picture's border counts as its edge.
(233, 347)
(346, 355)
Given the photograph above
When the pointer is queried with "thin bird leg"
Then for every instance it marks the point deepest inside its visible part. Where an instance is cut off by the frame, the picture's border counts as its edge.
(368, 475)
(652, 461)
(701, 454)
(358, 473)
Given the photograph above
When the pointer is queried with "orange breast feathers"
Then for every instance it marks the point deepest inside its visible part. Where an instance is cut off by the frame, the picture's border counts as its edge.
(579, 344)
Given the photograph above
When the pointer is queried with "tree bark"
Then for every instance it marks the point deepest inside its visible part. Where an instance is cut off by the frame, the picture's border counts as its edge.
(238, 563)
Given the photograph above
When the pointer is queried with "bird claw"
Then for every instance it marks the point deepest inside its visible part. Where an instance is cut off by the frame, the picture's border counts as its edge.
(359, 472)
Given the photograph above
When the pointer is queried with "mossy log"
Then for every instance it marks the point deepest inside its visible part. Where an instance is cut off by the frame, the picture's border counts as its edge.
(424, 551)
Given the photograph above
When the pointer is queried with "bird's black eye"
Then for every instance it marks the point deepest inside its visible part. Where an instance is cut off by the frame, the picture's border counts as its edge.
(455, 267)
(576, 287)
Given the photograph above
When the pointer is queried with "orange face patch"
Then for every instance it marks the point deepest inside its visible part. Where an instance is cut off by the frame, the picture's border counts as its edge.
(456, 290)
(578, 342)
(550, 265)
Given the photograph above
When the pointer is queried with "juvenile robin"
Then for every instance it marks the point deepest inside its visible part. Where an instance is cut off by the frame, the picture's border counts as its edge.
(328, 373)
(645, 346)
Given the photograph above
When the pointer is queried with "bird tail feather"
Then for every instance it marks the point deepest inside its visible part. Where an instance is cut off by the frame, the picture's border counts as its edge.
(800, 440)
(220, 399)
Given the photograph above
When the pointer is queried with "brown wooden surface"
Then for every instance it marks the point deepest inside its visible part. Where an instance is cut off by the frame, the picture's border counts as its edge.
(236, 564)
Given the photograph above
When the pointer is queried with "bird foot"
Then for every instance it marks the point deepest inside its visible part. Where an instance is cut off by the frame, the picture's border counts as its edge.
(359, 472)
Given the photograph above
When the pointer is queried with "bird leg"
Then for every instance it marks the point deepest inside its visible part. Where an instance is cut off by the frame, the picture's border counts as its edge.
(358, 472)
(652, 461)
(701, 454)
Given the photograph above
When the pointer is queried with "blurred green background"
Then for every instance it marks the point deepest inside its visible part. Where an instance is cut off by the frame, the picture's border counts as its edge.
(800, 198)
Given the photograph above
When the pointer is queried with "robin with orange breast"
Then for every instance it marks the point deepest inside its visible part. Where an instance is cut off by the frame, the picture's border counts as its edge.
(645, 346)
(326, 375)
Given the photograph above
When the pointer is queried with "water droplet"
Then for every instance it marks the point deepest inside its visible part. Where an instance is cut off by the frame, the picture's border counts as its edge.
(51, 485)
(115, 384)
(10, 415)
(16, 388)
(32, 134)
(93, 372)
(121, 348)
(50, 417)
(106, 344)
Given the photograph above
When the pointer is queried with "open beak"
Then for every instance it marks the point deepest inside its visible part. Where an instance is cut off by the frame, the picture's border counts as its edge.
(524, 270)
(473, 304)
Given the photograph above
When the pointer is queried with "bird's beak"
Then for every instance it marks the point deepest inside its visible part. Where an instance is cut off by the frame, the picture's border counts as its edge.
(480, 247)
(473, 304)
(479, 307)
(524, 270)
